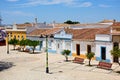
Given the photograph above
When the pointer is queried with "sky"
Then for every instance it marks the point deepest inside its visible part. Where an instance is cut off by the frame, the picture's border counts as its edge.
(84, 11)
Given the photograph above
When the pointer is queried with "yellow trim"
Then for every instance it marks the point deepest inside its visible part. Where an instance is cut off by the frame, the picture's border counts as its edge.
(81, 56)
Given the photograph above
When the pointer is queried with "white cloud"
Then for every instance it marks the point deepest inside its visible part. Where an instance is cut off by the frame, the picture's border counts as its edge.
(85, 4)
(74, 3)
(104, 6)
(46, 2)
(12, 0)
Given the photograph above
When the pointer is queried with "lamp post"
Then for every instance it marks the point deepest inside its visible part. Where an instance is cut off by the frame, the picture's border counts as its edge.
(47, 68)
(46, 36)
(7, 43)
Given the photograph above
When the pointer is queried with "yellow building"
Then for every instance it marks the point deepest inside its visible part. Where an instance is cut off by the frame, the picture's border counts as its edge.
(16, 33)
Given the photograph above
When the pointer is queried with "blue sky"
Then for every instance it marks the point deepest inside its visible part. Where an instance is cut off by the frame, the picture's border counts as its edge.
(84, 11)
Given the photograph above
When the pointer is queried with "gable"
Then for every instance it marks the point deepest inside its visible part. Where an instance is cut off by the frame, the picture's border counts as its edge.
(62, 35)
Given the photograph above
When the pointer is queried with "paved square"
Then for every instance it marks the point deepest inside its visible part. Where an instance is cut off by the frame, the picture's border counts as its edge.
(32, 67)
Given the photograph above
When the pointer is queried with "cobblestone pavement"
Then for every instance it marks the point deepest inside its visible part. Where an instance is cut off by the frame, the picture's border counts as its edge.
(32, 67)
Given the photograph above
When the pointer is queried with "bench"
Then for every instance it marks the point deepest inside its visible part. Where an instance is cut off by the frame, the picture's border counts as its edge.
(104, 65)
(78, 60)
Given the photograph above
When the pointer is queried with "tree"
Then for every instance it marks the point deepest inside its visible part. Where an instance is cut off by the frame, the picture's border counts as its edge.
(90, 56)
(26, 23)
(115, 52)
(23, 43)
(66, 53)
(14, 42)
(33, 44)
(71, 22)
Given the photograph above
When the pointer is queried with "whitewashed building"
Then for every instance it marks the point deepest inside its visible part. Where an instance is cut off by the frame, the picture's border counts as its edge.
(81, 41)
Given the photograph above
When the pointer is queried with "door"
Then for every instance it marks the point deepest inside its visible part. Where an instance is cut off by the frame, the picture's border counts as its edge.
(78, 49)
(59, 46)
(88, 48)
(103, 53)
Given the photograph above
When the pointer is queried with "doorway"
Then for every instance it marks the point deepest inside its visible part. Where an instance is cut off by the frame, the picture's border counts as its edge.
(103, 53)
(78, 49)
(88, 48)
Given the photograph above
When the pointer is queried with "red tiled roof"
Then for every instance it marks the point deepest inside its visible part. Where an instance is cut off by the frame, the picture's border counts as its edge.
(107, 21)
(116, 25)
(39, 32)
(51, 31)
(24, 25)
(87, 34)
(78, 34)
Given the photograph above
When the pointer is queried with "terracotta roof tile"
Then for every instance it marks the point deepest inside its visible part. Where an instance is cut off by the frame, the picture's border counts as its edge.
(87, 34)
(51, 31)
(116, 25)
(39, 32)
(78, 34)
(24, 25)
(107, 21)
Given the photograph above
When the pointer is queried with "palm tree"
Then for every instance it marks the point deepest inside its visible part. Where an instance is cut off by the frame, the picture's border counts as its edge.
(66, 53)
(115, 52)
(14, 42)
(90, 56)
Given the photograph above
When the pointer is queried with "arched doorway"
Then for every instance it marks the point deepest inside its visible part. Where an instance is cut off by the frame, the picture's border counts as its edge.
(115, 59)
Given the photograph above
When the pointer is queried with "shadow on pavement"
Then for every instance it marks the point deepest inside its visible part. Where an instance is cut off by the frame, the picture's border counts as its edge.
(118, 72)
(5, 65)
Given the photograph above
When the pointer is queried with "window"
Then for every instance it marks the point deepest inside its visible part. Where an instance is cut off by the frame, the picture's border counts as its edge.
(18, 37)
(11, 34)
(14, 37)
(22, 37)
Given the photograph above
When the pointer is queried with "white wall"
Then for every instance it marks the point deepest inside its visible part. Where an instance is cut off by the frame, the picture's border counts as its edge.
(108, 46)
(83, 46)
(103, 37)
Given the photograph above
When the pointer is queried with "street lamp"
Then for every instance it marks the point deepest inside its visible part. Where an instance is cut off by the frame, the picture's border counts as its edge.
(7, 43)
(47, 68)
(46, 36)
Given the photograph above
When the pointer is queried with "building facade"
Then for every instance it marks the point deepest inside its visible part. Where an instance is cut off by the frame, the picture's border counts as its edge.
(18, 34)
(82, 41)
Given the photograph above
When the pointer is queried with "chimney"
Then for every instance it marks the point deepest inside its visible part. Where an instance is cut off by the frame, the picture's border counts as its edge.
(114, 21)
(45, 23)
(14, 26)
(53, 24)
(35, 20)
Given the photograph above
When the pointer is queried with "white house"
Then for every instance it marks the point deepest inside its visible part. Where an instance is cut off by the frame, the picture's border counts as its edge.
(103, 47)
(81, 41)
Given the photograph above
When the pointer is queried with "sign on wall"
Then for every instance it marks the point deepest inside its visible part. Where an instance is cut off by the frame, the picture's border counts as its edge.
(2, 35)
